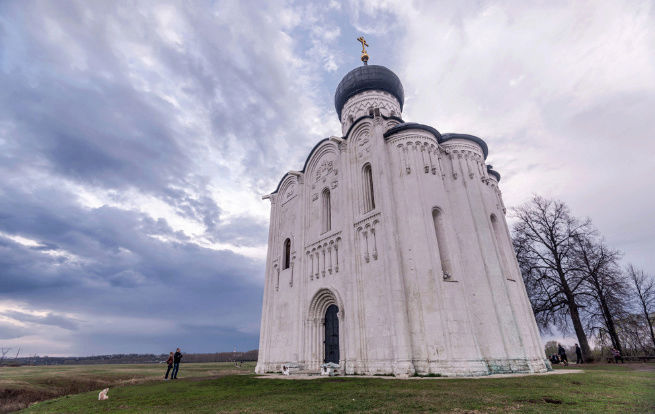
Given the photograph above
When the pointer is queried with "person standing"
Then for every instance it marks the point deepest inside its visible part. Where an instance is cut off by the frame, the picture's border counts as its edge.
(578, 355)
(169, 361)
(177, 357)
(617, 356)
(562, 355)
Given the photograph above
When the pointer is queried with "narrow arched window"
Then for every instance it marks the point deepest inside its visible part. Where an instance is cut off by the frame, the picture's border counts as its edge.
(287, 254)
(442, 242)
(369, 197)
(499, 242)
(327, 211)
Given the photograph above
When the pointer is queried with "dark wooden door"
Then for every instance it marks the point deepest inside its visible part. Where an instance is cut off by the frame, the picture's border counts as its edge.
(332, 334)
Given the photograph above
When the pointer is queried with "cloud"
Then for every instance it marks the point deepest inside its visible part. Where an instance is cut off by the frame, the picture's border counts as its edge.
(47, 319)
(10, 331)
(136, 142)
(562, 93)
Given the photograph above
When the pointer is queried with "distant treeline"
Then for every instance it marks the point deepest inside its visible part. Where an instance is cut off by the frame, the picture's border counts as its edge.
(131, 359)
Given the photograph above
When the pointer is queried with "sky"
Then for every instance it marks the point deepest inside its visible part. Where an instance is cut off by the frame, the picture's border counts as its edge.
(137, 138)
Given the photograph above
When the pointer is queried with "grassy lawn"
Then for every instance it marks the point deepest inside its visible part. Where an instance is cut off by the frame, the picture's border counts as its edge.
(601, 388)
(19, 386)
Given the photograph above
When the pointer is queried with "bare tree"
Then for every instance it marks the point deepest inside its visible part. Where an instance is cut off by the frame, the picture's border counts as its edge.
(603, 283)
(545, 237)
(550, 348)
(3, 352)
(644, 289)
(632, 331)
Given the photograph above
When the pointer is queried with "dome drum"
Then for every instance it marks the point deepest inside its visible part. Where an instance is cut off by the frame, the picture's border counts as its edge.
(368, 78)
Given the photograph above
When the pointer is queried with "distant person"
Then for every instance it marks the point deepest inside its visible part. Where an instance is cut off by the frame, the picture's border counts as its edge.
(177, 357)
(169, 361)
(562, 355)
(617, 356)
(578, 354)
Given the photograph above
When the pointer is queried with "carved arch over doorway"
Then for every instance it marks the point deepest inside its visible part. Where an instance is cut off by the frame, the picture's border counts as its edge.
(318, 307)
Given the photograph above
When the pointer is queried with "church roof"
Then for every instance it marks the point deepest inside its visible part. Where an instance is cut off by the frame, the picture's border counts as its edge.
(412, 125)
(366, 78)
(440, 138)
(479, 141)
(490, 170)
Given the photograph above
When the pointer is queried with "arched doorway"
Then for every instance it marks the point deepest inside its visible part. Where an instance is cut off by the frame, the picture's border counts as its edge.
(324, 337)
(332, 334)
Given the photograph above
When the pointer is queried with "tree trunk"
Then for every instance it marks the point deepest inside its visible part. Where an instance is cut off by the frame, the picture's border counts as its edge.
(575, 315)
(579, 331)
(650, 324)
(611, 328)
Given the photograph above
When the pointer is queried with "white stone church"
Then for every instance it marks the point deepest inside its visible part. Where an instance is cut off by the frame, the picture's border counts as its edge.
(389, 253)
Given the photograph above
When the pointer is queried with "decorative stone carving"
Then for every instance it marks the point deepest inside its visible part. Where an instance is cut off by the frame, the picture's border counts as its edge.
(363, 103)
(290, 191)
(324, 169)
(291, 265)
(323, 256)
(363, 147)
(276, 271)
(367, 238)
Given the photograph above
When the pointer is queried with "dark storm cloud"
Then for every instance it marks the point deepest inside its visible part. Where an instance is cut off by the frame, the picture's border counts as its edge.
(106, 241)
(99, 96)
(10, 331)
(72, 90)
(108, 265)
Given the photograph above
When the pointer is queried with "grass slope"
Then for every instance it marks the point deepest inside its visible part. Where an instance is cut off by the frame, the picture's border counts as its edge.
(602, 388)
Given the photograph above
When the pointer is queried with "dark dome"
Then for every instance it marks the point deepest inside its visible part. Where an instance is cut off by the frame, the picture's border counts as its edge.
(366, 78)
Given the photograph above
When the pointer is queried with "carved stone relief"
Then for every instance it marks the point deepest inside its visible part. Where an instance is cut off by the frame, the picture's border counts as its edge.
(324, 169)
(366, 237)
(323, 256)
(364, 102)
(363, 146)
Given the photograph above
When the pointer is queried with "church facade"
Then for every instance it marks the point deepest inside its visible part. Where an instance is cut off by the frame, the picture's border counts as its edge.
(389, 253)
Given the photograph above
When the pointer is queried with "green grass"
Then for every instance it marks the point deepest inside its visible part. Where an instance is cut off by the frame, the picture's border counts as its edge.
(20, 386)
(601, 388)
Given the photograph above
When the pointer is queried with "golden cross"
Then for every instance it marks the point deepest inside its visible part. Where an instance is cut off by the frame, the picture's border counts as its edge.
(364, 54)
(361, 40)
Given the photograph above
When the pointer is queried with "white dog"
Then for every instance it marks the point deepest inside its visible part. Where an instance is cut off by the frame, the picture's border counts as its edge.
(103, 394)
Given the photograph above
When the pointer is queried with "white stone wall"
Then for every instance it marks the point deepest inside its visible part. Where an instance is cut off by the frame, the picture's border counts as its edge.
(382, 268)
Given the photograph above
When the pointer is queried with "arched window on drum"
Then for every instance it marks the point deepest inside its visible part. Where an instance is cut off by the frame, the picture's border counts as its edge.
(369, 196)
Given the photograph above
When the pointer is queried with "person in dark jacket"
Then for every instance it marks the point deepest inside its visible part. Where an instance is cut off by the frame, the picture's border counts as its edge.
(578, 355)
(177, 357)
(169, 361)
(562, 354)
